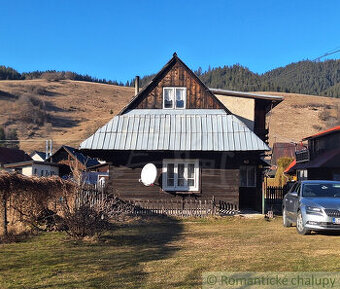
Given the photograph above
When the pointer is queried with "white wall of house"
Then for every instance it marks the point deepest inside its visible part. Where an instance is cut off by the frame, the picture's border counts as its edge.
(40, 170)
(243, 108)
(27, 171)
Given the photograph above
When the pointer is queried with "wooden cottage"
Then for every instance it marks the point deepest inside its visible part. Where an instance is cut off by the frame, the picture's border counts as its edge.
(69, 158)
(320, 157)
(200, 148)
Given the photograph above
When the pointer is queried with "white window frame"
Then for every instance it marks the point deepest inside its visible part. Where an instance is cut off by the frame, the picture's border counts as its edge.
(174, 88)
(247, 168)
(186, 162)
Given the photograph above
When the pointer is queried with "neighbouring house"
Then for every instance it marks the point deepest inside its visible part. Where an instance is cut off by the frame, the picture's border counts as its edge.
(69, 159)
(200, 148)
(38, 156)
(10, 155)
(250, 108)
(100, 174)
(320, 159)
(33, 168)
(281, 150)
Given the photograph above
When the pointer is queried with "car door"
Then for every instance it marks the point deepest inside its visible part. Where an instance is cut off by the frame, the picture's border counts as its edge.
(296, 201)
(290, 200)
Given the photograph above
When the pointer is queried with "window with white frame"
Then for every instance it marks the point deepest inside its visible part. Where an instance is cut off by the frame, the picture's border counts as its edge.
(180, 175)
(247, 176)
(174, 97)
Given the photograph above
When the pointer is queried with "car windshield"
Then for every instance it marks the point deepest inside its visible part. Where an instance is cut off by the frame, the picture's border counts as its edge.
(326, 190)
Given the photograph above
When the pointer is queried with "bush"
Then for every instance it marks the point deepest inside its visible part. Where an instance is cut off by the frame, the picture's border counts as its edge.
(282, 164)
(37, 90)
(31, 110)
(325, 115)
(85, 222)
(52, 76)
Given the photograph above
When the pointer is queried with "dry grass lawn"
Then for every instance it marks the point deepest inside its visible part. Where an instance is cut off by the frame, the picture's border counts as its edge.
(165, 254)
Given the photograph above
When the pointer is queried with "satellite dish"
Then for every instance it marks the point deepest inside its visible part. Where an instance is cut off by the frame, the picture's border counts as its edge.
(149, 174)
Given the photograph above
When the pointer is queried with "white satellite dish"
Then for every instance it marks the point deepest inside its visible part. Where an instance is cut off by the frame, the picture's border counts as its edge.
(149, 174)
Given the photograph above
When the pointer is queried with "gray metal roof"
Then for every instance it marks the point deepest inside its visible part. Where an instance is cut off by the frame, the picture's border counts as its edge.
(179, 130)
(246, 94)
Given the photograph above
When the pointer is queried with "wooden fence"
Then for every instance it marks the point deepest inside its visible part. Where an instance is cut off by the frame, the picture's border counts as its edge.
(90, 197)
(183, 208)
(273, 197)
(186, 208)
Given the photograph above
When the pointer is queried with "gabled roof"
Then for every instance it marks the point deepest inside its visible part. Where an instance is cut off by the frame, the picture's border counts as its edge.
(9, 155)
(158, 77)
(78, 155)
(40, 154)
(322, 133)
(282, 149)
(28, 163)
(175, 130)
(275, 98)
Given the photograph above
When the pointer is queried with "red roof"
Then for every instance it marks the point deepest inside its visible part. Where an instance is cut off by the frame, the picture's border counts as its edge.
(321, 133)
(292, 164)
(329, 159)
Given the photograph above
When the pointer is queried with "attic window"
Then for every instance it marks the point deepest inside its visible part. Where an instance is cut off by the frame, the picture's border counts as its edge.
(174, 97)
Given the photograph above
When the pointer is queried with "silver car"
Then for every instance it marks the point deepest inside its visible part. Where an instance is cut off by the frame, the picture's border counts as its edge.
(313, 206)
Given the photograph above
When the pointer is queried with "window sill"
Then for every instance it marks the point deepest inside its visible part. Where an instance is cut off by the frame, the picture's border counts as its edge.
(181, 192)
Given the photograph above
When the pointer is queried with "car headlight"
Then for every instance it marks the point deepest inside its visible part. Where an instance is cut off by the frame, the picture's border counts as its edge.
(313, 210)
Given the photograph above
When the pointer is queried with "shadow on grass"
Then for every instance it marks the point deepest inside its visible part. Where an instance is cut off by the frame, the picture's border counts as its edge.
(62, 121)
(146, 241)
(8, 96)
(117, 260)
(328, 233)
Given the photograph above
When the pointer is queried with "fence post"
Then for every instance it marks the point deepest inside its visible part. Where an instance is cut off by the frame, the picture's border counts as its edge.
(213, 205)
(264, 188)
(4, 213)
(263, 201)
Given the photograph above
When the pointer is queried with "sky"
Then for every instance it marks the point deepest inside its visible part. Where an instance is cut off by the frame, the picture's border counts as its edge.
(117, 40)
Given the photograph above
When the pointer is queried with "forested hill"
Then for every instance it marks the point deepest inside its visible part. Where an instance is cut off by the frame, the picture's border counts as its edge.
(307, 77)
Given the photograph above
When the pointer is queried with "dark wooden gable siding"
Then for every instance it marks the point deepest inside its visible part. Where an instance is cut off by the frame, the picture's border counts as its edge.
(175, 73)
(197, 94)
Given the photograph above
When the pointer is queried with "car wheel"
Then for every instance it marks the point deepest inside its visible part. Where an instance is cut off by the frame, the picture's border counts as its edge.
(300, 226)
(286, 222)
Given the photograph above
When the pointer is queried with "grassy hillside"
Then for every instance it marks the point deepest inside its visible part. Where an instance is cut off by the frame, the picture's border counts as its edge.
(301, 115)
(69, 111)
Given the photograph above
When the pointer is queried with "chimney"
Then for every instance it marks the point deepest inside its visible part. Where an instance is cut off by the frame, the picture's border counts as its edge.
(46, 149)
(136, 85)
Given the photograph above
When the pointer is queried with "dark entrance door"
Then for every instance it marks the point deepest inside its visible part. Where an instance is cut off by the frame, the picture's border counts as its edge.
(248, 198)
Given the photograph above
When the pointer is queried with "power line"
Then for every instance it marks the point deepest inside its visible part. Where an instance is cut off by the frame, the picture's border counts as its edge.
(331, 52)
(327, 54)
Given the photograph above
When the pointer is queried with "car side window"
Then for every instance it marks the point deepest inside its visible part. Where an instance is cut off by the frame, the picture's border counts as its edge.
(298, 190)
(292, 189)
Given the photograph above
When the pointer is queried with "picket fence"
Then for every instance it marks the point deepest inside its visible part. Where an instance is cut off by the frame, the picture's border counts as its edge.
(182, 208)
(273, 197)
